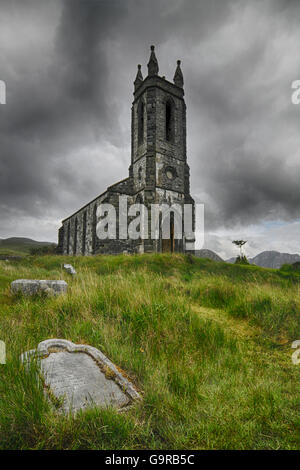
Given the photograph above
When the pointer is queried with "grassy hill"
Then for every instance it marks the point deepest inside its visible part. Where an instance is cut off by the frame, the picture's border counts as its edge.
(207, 344)
(19, 246)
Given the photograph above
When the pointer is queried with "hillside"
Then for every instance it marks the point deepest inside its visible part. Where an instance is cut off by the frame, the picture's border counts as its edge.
(15, 246)
(207, 344)
(205, 253)
(274, 259)
(271, 259)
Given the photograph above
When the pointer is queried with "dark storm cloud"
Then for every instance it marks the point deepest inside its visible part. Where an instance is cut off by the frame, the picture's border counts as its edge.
(69, 67)
(55, 59)
(57, 87)
(249, 163)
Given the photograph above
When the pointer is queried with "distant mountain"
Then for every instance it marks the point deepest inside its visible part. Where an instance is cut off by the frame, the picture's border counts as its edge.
(271, 259)
(274, 259)
(208, 254)
(19, 245)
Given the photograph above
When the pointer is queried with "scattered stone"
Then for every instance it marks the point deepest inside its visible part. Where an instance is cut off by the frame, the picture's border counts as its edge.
(80, 376)
(32, 287)
(69, 268)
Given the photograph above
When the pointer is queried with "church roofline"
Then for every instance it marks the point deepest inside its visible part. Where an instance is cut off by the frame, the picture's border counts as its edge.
(95, 199)
(83, 207)
(118, 182)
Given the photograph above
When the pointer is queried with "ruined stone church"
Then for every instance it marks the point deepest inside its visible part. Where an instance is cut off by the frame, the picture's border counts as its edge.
(158, 173)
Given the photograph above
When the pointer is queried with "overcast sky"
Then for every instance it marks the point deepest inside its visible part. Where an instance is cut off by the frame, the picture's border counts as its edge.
(69, 67)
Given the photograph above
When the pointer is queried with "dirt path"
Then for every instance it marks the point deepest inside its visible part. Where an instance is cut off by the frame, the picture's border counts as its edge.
(240, 328)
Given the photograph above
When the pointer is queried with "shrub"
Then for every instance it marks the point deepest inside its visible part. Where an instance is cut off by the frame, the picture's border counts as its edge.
(44, 250)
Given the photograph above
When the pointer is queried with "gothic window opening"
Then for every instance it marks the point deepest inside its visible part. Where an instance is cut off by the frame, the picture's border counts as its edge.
(169, 121)
(168, 244)
(140, 173)
(68, 239)
(94, 228)
(140, 123)
(84, 233)
(139, 199)
(75, 236)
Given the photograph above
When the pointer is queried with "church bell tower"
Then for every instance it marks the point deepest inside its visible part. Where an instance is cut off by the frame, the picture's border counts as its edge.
(159, 168)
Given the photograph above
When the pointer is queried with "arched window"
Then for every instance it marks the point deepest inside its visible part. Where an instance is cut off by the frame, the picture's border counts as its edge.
(140, 172)
(94, 228)
(68, 239)
(83, 233)
(169, 121)
(140, 122)
(139, 199)
(75, 236)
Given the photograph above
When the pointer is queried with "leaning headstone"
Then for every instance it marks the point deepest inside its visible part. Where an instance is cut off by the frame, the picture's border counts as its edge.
(81, 376)
(69, 268)
(32, 287)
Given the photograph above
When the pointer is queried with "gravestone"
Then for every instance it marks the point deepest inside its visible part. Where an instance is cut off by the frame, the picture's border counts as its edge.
(81, 376)
(69, 268)
(33, 286)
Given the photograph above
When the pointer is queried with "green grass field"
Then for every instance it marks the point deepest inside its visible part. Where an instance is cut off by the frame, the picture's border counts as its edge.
(207, 344)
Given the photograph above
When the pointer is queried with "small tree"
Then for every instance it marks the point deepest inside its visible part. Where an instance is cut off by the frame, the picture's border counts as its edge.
(242, 259)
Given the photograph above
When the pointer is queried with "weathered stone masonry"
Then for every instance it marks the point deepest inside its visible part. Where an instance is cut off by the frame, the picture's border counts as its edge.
(158, 172)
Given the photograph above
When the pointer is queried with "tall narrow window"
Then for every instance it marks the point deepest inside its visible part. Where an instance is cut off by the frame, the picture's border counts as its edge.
(140, 172)
(75, 236)
(83, 233)
(68, 239)
(140, 122)
(169, 121)
(94, 228)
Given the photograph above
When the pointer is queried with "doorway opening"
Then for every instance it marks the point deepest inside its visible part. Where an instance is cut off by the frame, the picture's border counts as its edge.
(168, 244)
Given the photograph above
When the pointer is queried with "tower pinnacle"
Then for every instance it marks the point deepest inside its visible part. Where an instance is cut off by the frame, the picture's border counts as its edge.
(139, 78)
(152, 64)
(178, 77)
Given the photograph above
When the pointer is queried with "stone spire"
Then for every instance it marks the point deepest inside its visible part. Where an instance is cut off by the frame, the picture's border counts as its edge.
(138, 79)
(178, 77)
(152, 64)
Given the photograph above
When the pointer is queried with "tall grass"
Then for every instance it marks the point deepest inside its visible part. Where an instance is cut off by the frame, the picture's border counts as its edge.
(203, 386)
